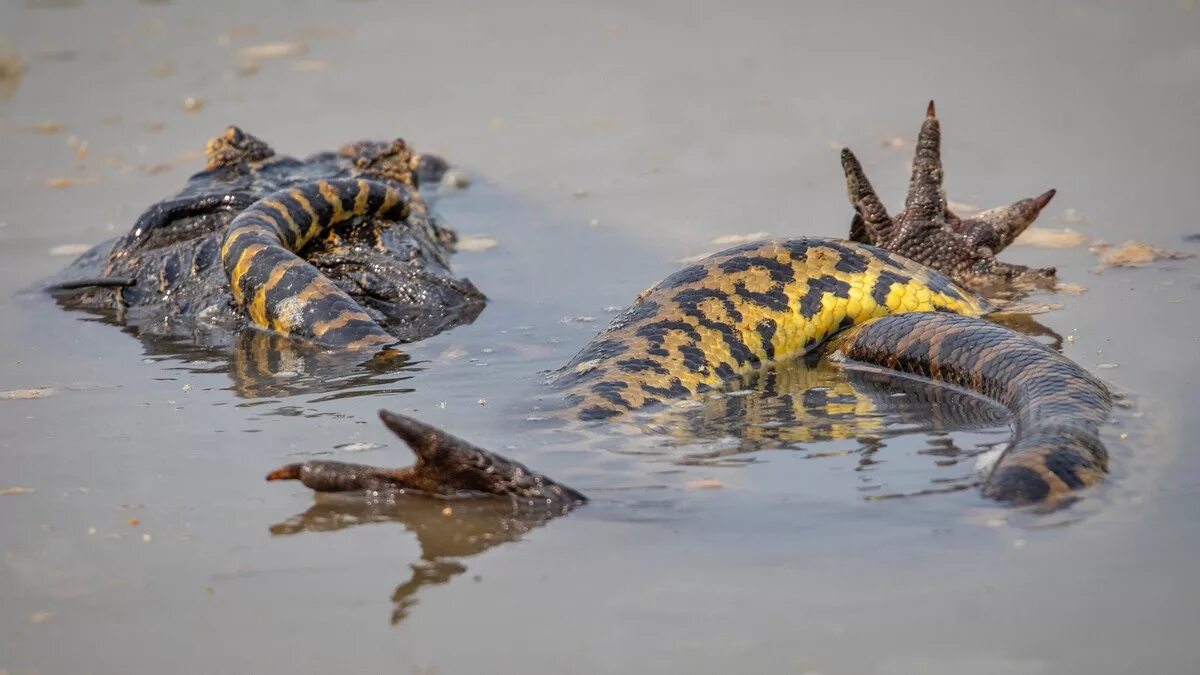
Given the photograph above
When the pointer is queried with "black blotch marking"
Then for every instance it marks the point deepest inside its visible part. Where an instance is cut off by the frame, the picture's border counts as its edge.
(656, 332)
(610, 390)
(811, 301)
(939, 283)
(781, 273)
(294, 280)
(1018, 484)
(766, 331)
(883, 285)
(687, 275)
(798, 248)
(641, 311)
(689, 301)
(1063, 464)
(676, 389)
(724, 371)
(846, 322)
(849, 261)
(600, 350)
(641, 366)
(733, 339)
(693, 358)
(774, 299)
(323, 209)
(596, 412)
(376, 196)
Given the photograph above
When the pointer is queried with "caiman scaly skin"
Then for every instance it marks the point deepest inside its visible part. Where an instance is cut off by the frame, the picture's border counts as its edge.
(333, 232)
(898, 305)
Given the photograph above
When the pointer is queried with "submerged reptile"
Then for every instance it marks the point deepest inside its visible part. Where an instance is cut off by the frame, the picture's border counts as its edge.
(894, 305)
(385, 253)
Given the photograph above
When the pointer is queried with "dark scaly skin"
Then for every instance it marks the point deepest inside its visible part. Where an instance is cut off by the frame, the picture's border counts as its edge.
(929, 233)
(1057, 407)
(446, 467)
(740, 310)
(166, 274)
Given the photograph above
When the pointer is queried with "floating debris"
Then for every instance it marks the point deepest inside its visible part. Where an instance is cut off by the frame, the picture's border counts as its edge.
(41, 617)
(475, 243)
(163, 69)
(271, 50)
(11, 70)
(580, 193)
(1106, 366)
(48, 127)
(1043, 237)
(24, 394)
(1133, 254)
(69, 249)
(63, 182)
(731, 239)
(17, 491)
(1068, 288)
(704, 484)
(193, 103)
(358, 447)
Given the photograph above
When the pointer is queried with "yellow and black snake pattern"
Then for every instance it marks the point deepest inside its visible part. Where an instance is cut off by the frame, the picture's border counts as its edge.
(277, 288)
(743, 309)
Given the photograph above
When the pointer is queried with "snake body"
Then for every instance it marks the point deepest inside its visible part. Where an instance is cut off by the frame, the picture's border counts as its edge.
(282, 292)
(727, 316)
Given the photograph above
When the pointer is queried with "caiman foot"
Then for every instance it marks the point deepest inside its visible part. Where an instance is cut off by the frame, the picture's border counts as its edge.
(928, 232)
(447, 467)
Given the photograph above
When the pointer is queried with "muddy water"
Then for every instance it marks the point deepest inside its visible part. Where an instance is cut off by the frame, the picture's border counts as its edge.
(606, 144)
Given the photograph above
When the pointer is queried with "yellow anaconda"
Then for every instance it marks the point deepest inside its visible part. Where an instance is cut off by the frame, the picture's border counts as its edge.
(745, 308)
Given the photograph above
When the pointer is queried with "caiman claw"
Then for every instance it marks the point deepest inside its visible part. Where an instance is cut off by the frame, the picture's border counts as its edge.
(446, 467)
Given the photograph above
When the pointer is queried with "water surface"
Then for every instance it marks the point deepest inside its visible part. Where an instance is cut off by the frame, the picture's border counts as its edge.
(606, 143)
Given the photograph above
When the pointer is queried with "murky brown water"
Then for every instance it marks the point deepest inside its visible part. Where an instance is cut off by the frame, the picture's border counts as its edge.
(606, 143)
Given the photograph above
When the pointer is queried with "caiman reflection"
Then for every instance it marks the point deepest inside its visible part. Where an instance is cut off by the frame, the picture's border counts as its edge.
(447, 533)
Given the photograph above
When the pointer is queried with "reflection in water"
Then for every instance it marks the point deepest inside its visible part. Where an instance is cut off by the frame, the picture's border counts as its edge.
(264, 365)
(446, 531)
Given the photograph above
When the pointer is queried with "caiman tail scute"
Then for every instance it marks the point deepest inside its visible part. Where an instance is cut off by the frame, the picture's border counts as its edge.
(446, 466)
(281, 291)
(1057, 407)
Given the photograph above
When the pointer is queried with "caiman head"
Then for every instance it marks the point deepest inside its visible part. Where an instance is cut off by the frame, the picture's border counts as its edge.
(167, 267)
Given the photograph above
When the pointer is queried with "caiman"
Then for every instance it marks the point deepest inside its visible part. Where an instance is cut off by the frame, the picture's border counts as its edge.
(387, 256)
(897, 295)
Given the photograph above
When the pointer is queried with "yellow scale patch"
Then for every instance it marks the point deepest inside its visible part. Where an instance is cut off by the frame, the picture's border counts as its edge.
(794, 333)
